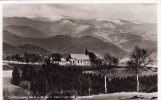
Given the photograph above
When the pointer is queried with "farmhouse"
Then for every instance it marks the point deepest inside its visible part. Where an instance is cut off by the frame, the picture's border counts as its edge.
(64, 60)
(61, 59)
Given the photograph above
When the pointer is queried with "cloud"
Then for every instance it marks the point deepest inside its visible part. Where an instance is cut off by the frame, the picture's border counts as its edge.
(139, 12)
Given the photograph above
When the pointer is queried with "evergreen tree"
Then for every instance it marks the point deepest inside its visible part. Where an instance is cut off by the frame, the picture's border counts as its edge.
(8, 58)
(92, 57)
(15, 76)
(86, 52)
(26, 57)
(17, 57)
(24, 73)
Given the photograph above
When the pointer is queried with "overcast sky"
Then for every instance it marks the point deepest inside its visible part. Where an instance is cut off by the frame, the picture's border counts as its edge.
(137, 12)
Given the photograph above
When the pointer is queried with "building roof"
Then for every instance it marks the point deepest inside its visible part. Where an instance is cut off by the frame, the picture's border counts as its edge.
(80, 56)
(32, 55)
(65, 55)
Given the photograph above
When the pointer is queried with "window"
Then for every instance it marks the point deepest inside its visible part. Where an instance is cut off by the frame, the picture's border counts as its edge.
(78, 61)
(81, 61)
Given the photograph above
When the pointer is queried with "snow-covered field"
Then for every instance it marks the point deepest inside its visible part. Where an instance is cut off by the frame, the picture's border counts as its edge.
(121, 96)
(7, 75)
(7, 86)
(5, 62)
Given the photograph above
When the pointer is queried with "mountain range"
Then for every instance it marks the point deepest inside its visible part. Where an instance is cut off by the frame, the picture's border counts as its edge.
(65, 44)
(68, 35)
(12, 50)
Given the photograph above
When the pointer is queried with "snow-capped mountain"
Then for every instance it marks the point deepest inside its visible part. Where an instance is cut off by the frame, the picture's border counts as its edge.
(122, 33)
(117, 21)
(46, 18)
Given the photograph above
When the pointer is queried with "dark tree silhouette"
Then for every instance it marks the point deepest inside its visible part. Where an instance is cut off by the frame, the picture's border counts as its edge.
(25, 72)
(92, 57)
(13, 57)
(15, 76)
(8, 58)
(17, 57)
(56, 56)
(86, 52)
(26, 57)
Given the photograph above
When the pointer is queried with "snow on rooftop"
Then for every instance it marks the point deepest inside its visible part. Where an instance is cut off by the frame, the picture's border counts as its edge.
(80, 56)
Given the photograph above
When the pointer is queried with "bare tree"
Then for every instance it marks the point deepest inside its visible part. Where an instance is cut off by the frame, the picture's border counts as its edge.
(139, 59)
(105, 65)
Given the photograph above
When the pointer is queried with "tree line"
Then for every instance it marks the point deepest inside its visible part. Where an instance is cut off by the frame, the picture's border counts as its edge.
(25, 58)
(57, 80)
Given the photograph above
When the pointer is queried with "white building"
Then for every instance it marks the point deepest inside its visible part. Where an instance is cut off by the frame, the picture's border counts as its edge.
(79, 59)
